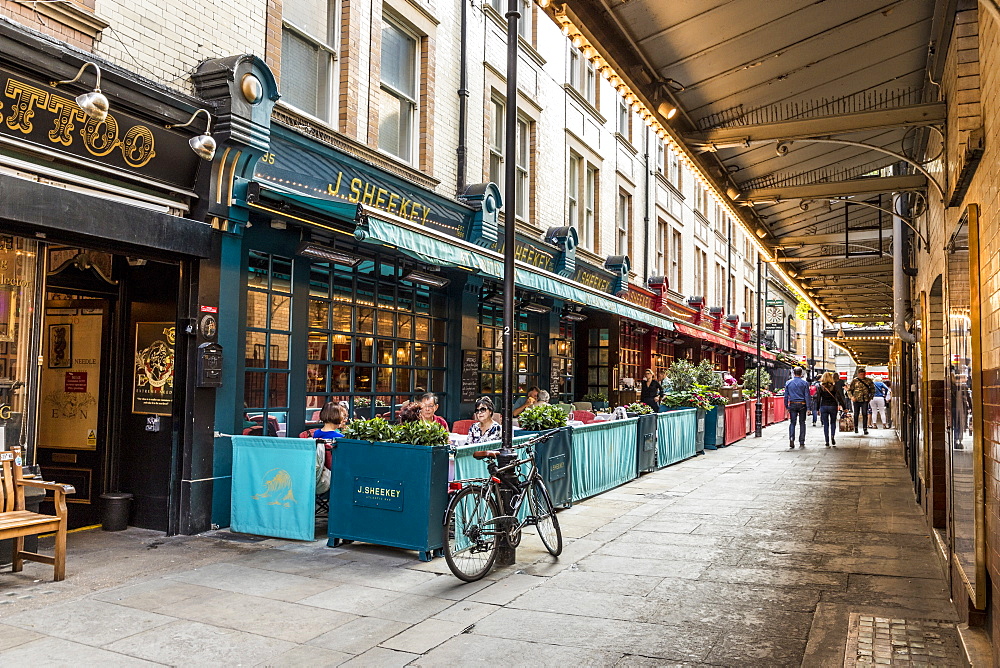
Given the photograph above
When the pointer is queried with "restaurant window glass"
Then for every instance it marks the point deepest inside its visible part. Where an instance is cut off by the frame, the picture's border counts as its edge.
(18, 258)
(268, 335)
(598, 360)
(491, 352)
(375, 340)
(563, 376)
(630, 356)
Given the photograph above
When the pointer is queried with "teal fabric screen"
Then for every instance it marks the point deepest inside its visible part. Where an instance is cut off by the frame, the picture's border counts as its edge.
(274, 486)
(603, 456)
(677, 435)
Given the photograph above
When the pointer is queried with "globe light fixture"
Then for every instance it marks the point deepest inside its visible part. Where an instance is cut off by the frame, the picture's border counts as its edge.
(203, 145)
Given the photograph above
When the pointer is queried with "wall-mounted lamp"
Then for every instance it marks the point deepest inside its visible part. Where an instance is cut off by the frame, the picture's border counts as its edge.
(94, 104)
(307, 249)
(667, 110)
(203, 145)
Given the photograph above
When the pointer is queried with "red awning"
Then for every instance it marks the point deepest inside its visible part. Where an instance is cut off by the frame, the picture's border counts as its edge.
(721, 340)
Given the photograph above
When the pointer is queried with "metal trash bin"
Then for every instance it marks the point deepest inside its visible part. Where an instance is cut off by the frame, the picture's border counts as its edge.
(115, 507)
(646, 442)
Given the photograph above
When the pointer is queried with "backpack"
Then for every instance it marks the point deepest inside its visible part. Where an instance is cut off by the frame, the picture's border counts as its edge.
(812, 390)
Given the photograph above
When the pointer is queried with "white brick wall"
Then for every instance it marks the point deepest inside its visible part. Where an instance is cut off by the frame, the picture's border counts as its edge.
(165, 40)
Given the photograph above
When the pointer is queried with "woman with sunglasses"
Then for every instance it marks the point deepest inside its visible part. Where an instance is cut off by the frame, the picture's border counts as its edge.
(485, 428)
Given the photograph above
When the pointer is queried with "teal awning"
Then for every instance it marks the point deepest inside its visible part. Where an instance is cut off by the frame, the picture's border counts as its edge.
(332, 208)
(432, 249)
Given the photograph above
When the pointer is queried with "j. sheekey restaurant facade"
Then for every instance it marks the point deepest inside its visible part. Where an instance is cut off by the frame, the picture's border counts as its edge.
(153, 303)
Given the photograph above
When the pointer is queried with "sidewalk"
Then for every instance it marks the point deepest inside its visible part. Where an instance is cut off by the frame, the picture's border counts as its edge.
(751, 555)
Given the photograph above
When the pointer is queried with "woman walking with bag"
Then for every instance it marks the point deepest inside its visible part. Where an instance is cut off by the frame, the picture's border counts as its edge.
(830, 399)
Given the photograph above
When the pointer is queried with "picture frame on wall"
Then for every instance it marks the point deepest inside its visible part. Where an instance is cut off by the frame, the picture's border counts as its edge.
(60, 346)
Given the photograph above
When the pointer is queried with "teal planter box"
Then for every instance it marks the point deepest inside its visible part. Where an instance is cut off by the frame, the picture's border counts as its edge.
(677, 435)
(389, 494)
(603, 457)
(554, 461)
(715, 428)
(646, 442)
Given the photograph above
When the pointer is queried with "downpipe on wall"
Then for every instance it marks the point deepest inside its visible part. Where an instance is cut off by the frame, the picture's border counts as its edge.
(900, 281)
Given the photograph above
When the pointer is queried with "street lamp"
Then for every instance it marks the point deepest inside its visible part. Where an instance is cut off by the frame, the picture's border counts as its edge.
(759, 408)
(505, 553)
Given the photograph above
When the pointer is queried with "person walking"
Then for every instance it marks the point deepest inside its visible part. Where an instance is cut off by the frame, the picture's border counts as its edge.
(796, 402)
(879, 403)
(888, 403)
(830, 399)
(813, 402)
(862, 390)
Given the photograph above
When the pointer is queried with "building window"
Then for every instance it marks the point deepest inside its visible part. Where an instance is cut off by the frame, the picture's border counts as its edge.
(623, 237)
(701, 273)
(676, 170)
(588, 229)
(309, 56)
(374, 339)
(624, 117)
(398, 104)
(523, 6)
(268, 336)
(491, 325)
(660, 157)
(563, 361)
(582, 75)
(573, 189)
(599, 361)
(521, 167)
(720, 285)
(676, 248)
(497, 143)
(662, 239)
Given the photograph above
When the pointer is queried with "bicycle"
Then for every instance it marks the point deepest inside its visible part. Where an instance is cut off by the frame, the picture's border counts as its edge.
(474, 524)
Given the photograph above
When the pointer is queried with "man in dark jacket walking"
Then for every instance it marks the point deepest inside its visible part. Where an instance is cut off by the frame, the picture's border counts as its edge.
(797, 402)
(862, 390)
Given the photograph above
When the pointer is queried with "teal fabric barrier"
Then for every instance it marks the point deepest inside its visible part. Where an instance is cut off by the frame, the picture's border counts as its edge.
(603, 456)
(466, 467)
(274, 486)
(678, 435)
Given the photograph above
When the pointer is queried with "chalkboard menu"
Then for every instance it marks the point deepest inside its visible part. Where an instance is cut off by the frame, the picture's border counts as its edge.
(470, 375)
(555, 376)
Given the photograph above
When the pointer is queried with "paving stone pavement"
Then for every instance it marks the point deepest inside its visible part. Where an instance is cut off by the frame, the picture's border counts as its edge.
(752, 555)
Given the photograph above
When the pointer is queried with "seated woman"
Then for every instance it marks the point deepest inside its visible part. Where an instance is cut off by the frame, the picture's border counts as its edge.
(485, 427)
(333, 417)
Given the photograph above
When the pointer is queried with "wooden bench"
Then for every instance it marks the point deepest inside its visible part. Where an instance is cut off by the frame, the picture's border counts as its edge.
(16, 522)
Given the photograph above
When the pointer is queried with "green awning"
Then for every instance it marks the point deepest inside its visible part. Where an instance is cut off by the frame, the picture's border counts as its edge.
(420, 245)
(332, 208)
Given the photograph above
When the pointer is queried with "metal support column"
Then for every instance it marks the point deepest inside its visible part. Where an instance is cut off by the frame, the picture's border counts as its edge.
(759, 408)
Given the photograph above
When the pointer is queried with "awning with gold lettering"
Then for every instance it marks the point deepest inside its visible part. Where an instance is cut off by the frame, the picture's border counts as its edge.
(432, 247)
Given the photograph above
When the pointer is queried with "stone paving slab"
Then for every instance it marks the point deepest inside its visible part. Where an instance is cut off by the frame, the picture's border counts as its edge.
(752, 555)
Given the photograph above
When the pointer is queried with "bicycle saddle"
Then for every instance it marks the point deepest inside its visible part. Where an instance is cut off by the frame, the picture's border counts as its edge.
(485, 454)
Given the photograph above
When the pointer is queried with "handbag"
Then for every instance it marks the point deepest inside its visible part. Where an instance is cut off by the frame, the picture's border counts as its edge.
(846, 422)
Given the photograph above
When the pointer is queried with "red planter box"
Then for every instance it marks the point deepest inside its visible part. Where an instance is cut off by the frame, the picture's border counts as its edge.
(736, 422)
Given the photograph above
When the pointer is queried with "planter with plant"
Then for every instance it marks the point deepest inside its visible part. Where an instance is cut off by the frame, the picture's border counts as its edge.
(638, 408)
(598, 400)
(389, 485)
(552, 457)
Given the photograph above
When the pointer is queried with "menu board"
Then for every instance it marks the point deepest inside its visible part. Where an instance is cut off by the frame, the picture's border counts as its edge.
(555, 376)
(470, 375)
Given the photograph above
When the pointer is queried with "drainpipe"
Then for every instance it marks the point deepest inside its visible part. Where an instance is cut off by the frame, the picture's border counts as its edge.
(645, 206)
(463, 96)
(900, 281)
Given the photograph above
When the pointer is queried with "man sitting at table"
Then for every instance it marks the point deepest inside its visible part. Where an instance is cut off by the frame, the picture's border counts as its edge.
(528, 399)
(485, 428)
(428, 407)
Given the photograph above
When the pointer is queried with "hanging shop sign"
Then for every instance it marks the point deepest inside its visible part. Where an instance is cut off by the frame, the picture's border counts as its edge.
(639, 297)
(49, 118)
(153, 386)
(774, 315)
(326, 174)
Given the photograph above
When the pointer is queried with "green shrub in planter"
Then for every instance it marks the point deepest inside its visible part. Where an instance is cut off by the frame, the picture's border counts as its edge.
(420, 433)
(541, 418)
(595, 398)
(374, 430)
(639, 408)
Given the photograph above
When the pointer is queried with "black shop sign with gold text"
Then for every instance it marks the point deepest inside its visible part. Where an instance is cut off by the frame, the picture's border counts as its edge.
(49, 118)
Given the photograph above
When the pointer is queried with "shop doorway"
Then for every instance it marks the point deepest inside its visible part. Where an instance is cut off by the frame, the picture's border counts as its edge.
(107, 348)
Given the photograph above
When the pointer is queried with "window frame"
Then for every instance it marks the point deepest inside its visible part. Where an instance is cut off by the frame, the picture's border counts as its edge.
(326, 104)
(414, 103)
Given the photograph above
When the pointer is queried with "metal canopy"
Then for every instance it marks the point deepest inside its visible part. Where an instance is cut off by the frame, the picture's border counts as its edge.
(782, 98)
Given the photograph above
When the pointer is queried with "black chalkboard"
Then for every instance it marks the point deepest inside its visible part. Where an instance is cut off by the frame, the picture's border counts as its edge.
(470, 375)
(555, 377)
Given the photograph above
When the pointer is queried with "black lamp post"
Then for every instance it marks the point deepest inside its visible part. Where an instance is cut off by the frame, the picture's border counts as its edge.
(759, 408)
(506, 554)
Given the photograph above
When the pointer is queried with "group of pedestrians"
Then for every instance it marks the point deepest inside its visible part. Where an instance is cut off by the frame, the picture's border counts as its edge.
(831, 397)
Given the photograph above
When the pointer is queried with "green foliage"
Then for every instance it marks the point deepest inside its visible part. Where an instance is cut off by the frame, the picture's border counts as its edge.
(596, 397)
(376, 429)
(750, 380)
(802, 309)
(540, 418)
(706, 376)
(639, 408)
(698, 396)
(682, 375)
(420, 433)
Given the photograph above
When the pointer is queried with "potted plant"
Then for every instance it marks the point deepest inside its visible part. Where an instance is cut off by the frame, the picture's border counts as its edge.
(552, 457)
(389, 485)
(638, 408)
(598, 400)
(750, 379)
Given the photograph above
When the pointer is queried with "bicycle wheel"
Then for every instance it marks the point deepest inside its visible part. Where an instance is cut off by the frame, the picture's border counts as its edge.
(470, 534)
(541, 507)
